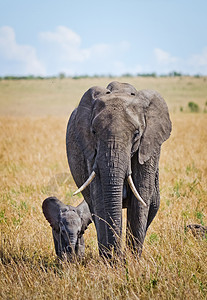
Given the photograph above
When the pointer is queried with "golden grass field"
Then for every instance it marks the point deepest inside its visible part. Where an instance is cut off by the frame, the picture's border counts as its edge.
(33, 166)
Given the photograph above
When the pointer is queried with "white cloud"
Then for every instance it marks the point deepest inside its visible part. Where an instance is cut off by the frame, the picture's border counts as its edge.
(100, 50)
(68, 44)
(164, 57)
(25, 56)
(63, 36)
(68, 48)
(199, 60)
(63, 51)
(195, 63)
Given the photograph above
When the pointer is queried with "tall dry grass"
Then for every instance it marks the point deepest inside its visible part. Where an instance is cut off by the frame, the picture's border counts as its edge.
(33, 165)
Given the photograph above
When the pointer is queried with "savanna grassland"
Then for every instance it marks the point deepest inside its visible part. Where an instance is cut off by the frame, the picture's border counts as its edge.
(33, 166)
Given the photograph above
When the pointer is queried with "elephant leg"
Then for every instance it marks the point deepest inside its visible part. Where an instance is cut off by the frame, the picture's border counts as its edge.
(155, 201)
(80, 247)
(56, 243)
(137, 217)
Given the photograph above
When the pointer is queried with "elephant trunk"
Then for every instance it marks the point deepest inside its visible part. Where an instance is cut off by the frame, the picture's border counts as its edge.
(112, 197)
(112, 168)
(68, 243)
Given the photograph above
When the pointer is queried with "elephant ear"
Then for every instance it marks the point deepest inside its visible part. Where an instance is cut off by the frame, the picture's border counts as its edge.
(85, 215)
(157, 124)
(83, 120)
(52, 210)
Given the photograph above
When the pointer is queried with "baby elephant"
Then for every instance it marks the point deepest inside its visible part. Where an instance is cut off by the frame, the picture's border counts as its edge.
(68, 225)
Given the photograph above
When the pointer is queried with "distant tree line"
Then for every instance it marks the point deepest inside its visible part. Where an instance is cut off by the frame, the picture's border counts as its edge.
(63, 75)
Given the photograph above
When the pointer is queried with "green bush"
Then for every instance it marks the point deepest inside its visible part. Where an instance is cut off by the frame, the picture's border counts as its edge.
(193, 107)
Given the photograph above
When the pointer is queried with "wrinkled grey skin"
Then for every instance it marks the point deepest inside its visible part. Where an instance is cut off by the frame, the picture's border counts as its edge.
(68, 225)
(117, 131)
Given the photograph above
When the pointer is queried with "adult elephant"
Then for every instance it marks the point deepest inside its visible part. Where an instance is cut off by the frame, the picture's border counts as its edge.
(113, 146)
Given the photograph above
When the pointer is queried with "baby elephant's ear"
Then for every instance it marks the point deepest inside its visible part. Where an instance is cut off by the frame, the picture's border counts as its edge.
(85, 215)
(51, 209)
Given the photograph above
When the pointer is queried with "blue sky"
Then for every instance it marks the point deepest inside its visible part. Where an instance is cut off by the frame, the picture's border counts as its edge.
(46, 37)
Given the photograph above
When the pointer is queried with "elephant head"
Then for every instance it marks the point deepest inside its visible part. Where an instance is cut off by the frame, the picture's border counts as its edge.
(113, 143)
(68, 225)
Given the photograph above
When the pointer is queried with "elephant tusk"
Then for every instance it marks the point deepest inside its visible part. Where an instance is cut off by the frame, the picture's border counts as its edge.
(134, 190)
(88, 181)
